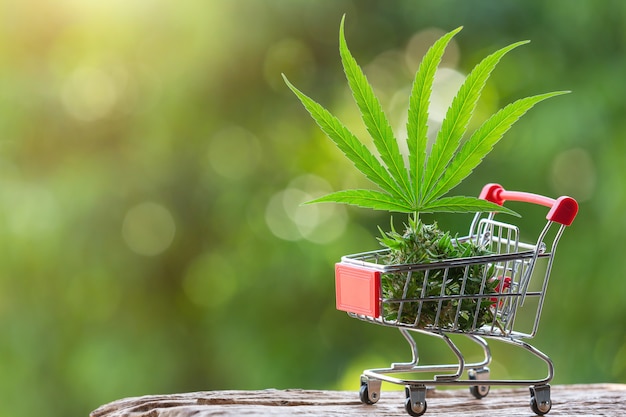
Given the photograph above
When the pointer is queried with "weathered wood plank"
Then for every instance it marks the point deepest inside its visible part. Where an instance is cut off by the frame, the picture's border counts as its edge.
(568, 400)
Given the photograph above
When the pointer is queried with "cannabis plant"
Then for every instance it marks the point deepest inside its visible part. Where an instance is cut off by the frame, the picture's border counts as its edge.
(422, 184)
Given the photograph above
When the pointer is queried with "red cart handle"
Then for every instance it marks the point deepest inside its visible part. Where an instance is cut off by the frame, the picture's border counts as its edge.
(563, 210)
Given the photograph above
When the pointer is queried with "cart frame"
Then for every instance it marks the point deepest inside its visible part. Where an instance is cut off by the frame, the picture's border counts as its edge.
(359, 292)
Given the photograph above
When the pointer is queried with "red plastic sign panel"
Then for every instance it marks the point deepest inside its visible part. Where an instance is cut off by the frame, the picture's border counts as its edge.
(357, 290)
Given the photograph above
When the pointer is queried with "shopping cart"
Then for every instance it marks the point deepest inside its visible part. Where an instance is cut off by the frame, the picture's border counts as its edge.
(503, 313)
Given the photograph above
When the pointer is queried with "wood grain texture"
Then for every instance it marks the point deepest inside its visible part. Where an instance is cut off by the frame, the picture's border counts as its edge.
(568, 400)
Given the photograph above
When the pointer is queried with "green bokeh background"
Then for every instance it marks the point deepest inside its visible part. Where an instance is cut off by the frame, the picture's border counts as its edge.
(152, 162)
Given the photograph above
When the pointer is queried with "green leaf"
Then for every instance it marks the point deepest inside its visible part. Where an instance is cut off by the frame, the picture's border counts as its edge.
(354, 150)
(463, 205)
(482, 142)
(367, 199)
(417, 122)
(457, 118)
(429, 176)
(374, 118)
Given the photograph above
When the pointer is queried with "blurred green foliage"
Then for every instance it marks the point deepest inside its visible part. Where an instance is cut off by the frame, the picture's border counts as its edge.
(152, 163)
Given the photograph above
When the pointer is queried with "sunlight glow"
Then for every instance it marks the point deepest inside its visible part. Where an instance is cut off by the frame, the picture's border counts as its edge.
(89, 93)
(289, 219)
(148, 229)
(234, 152)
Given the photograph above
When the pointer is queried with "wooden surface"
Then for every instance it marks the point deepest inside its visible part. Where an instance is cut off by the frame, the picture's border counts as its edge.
(568, 400)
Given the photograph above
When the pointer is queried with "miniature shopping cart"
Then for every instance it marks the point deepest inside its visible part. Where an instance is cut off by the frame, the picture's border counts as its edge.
(508, 313)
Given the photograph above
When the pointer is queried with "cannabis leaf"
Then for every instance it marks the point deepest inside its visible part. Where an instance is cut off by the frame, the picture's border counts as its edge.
(422, 186)
(375, 120)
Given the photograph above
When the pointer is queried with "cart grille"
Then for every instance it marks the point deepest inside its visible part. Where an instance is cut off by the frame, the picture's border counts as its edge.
(477, 295)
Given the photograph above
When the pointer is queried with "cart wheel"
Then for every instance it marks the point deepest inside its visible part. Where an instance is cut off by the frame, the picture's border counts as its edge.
(540, 409)
(369, 393)
(364, 395)
(540, 401)
(418, 410)
(479, 391)
(415, 403)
